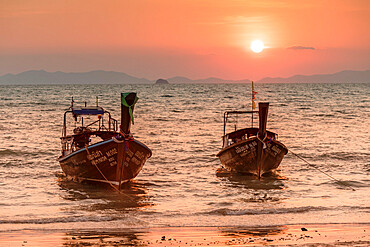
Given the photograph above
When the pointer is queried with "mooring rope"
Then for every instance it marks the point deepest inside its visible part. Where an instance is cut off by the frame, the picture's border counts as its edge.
(101, 173)
(114, 187)
(314, 166)
(119, 191)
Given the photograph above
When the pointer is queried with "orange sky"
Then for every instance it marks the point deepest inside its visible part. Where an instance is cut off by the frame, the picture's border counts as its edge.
(192, 38)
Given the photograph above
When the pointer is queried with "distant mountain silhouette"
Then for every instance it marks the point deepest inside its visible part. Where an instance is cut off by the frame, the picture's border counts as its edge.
(346, 76)
(93, 77)
(112, 77)
(179, 79)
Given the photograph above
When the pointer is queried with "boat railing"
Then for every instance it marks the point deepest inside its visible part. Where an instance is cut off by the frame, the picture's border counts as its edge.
(228, 113)
(99, 125)
(112, 123)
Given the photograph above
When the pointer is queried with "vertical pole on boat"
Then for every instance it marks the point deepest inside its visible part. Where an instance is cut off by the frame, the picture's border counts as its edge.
(226, 114)
(261, 135)
(128, 101)
(253, 103)
(252, 119)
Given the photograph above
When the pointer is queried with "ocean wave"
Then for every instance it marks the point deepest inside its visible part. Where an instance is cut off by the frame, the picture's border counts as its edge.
(349, 183)
(162, 119)
(6, 152)
(9, 152)
(345, 156)
(227, 211)
(60, 220)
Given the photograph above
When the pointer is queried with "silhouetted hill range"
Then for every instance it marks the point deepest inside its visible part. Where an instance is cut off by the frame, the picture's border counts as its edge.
(345, 76)
(112, 77)
(92, 77)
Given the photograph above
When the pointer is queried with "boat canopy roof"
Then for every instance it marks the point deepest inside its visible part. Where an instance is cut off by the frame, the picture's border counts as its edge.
(239, 112)
(97, 110)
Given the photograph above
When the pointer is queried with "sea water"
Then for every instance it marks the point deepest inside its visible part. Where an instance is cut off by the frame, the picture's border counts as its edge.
(325, 124)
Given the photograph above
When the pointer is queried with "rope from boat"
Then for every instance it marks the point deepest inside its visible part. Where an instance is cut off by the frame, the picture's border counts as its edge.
(127, 138)
(101, 173)
(119, 191)
(263, 138)
(117, 141)
(314, 166)
(262, 141)
(106, 179)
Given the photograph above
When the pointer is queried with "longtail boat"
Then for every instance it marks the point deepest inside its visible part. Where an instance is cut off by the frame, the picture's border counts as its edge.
(251, 150)
(115, 158)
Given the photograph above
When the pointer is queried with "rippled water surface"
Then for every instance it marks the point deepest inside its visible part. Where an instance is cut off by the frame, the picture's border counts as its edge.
(326, 124)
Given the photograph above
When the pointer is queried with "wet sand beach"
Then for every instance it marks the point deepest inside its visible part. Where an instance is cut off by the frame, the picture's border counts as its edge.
(293, 235)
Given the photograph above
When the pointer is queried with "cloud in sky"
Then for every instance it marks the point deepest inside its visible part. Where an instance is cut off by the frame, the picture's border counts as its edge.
(299, 47)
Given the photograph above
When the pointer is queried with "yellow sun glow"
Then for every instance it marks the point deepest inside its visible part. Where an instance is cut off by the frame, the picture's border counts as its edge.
(257, 46)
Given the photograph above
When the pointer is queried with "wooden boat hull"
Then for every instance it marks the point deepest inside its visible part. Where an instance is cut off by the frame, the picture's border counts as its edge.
(106, 161)
(241, 157)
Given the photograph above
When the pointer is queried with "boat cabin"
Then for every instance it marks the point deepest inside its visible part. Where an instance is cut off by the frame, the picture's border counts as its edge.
(89, 122)
(241, 134)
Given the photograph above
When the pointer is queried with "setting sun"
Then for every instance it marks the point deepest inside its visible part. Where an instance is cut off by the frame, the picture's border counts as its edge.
(257, 46)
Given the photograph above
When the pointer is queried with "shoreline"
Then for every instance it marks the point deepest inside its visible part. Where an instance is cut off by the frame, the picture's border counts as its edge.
(296, 235)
